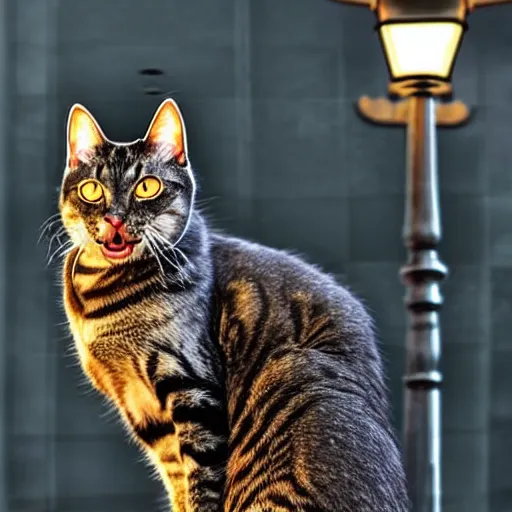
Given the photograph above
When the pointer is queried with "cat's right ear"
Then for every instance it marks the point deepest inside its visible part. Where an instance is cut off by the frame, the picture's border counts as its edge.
(167, 133)
(84, 135)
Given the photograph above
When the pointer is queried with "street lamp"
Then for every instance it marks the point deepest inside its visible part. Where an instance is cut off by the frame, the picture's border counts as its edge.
(421, 40)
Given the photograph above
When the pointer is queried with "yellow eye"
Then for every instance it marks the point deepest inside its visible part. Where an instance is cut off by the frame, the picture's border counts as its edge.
(90, 191)
(148, 188)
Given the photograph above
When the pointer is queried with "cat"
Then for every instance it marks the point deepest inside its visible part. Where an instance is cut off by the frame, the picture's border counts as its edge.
(250, 378)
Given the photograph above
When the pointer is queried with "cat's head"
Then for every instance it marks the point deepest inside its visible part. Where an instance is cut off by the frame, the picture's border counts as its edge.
(125, 200)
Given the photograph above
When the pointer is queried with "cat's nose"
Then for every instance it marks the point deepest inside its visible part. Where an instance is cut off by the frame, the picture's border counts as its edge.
(114, 220)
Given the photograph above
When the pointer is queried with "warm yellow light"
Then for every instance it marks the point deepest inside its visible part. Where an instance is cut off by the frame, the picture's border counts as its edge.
(424, 49)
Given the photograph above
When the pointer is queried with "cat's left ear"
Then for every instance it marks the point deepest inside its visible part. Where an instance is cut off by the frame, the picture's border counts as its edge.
(84, 135)
(167, 134)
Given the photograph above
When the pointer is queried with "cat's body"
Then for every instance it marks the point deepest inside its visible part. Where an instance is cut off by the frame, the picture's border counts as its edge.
(251, 379)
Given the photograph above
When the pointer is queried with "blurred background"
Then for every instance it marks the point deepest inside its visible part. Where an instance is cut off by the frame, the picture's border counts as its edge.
(267, 90)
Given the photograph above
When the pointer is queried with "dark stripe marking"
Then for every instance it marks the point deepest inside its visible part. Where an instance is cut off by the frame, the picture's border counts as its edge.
(213, 457)
(199, 483)
(280, 500)
(82, 269)
(173, 384)
(118, 285)
(154, 430)
(210, 417)
(180, 383)
(138, 170)
(169, 459)
(258, 355)
(258, 435)
(247, 423)
(122, 282)
(255, 493)
(176, 475)
(131, 300)
(297, 320)
(97, 171)
(152, 365)
(318, 334)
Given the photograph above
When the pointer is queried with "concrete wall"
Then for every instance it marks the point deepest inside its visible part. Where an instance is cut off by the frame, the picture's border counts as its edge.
(267, 90)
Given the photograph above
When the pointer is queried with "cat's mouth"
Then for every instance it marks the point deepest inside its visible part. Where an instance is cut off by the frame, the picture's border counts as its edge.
(118, 247)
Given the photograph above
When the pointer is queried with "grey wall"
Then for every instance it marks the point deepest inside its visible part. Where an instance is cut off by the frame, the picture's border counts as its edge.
(267, 90)
(4, 123)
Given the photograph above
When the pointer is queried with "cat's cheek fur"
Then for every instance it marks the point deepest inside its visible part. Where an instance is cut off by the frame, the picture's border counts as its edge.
(172, 224)
(73, 224)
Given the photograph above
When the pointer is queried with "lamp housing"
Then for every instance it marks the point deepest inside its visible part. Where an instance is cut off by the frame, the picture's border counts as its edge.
(421, 53)
(421, 40)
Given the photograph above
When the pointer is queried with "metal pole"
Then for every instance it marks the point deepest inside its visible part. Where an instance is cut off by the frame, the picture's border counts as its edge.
(422, 275)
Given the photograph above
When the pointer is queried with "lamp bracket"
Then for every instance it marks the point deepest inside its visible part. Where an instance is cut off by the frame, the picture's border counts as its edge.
(383, 111)
(472, 4)
(372, 4)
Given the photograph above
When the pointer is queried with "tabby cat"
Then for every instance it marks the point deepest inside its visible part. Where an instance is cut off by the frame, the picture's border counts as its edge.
(251, 379)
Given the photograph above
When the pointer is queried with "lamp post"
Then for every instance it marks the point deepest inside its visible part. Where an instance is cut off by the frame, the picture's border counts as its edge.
(421, 39)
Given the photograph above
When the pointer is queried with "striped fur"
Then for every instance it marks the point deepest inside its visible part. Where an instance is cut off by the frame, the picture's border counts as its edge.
(251, 379)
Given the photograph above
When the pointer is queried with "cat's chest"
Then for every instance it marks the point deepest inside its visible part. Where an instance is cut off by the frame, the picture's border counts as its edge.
(117, 365)
(108, 344)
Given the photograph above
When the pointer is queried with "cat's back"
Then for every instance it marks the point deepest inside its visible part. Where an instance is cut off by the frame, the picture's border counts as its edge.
(300, 346)
(237, 259)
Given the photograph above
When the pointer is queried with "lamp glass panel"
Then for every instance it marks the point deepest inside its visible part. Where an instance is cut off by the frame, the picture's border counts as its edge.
(421, 48)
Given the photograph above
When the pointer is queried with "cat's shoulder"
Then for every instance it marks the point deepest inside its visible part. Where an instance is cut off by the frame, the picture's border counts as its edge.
(238, 253)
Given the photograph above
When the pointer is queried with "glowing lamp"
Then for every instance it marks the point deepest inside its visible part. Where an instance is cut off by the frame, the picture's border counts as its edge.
(421, 39)
(421, 52)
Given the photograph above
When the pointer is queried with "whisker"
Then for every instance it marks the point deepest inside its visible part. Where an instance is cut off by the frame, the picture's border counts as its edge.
(161, 253)
(160, 237)
(48, 229)
(172, 263)
(154, 245)
(182, 254)
(49, 220)
(61, 251)
(56, 236)
(151, 249)
(58, 233)
(169, 244)
(156, 233)
(202, 202)
(172, 247)
(156, 252)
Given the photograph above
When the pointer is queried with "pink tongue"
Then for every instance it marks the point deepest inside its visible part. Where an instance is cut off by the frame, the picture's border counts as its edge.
(115, 247)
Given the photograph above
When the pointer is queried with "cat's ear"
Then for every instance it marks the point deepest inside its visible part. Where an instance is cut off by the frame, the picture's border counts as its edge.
(84, 135)
(167, 134)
